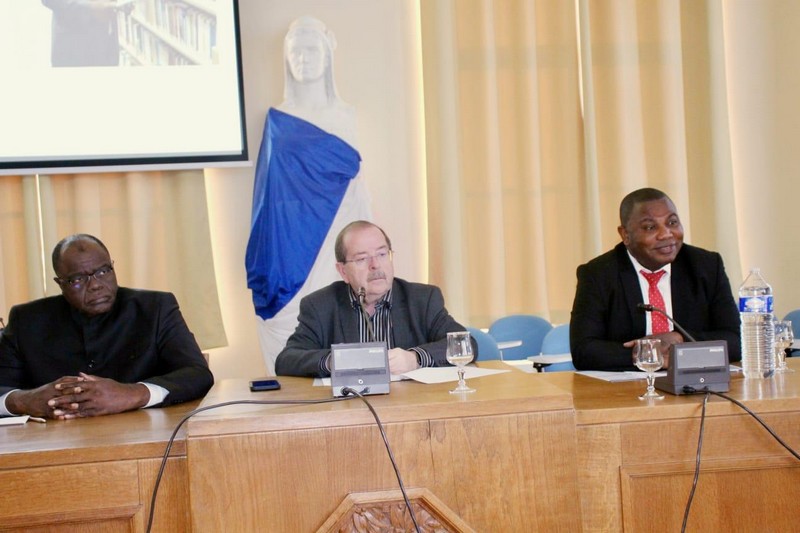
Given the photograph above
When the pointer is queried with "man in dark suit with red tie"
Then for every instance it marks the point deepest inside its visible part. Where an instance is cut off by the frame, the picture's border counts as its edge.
(653, 266)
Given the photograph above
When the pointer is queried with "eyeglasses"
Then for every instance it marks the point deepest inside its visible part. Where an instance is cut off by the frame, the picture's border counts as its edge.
(361, 262)
(75, 283)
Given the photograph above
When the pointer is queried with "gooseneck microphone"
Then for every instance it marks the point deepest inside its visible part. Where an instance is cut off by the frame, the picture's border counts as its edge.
(362, 298)
(650, 308)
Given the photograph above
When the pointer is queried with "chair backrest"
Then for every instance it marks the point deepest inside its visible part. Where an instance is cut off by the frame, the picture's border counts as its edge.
(529, 329)
(794, 317)
(487, 346)
(556, 341)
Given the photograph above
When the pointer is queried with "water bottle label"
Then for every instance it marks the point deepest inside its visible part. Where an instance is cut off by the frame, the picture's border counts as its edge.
(756, 304)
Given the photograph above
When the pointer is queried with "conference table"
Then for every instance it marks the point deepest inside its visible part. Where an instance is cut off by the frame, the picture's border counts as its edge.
(94, 474)
(525, 452)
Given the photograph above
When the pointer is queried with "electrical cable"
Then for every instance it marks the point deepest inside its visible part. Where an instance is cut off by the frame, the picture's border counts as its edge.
(708, 393)
(190, 414)
(748, 411)
(348, 390)
(697, 463)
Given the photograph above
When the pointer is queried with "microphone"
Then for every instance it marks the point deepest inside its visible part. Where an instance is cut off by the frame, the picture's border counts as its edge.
(650, 308)
(362, 298)
(693, 366)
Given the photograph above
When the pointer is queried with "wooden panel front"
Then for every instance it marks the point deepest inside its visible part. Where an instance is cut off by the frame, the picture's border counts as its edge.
(509, 472)
(94, 474)
(497, 473)
(85, 493)
(751, 495)
(292, 480)
(501, 459)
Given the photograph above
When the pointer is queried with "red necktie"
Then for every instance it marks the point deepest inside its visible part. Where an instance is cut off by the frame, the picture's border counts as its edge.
(658, 319)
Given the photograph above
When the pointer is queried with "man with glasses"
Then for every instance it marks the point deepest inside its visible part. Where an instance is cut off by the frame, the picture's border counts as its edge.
(409, 317)
(97, 348)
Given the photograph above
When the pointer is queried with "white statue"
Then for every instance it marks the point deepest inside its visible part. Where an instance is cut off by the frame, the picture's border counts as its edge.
(310, 94)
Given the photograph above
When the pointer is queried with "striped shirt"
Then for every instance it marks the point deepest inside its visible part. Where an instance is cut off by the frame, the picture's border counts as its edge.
(381, 322)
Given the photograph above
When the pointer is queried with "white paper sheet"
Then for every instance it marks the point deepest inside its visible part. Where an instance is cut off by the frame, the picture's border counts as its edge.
(13, 420)
(449, 373)
(431, 375)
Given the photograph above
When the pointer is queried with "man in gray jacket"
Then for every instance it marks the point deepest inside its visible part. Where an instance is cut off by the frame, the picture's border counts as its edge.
(409, 317)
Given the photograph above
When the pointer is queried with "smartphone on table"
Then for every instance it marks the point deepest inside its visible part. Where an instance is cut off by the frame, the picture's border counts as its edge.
(264, 384)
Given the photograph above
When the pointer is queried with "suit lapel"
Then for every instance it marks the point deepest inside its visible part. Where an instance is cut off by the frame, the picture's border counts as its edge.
(348, 323)
(401, 332)
(632, 289)
(681, 289)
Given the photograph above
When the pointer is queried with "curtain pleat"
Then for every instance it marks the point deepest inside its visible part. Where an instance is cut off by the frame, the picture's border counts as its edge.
(541, 115)
(155, 225)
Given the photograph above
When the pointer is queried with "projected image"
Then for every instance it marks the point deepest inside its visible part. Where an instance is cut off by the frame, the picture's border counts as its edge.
(89, 33)
(100, 84)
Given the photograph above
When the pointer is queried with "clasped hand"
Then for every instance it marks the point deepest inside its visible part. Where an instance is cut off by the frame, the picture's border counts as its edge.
(79, 396)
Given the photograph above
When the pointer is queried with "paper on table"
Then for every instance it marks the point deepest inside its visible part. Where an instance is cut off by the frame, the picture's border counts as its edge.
(13, 420)
(449, 373)
(550, 359)
(614, 377)
(430, 375)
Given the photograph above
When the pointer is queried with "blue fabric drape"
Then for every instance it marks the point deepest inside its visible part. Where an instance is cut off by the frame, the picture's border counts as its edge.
(302, 175)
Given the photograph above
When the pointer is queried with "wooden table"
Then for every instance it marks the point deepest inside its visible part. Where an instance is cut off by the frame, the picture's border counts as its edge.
(499, 459)
(94, 474)
(526, 452)
(628, 449)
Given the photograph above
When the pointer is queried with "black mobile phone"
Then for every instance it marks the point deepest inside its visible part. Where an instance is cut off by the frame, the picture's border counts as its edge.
(264, 384)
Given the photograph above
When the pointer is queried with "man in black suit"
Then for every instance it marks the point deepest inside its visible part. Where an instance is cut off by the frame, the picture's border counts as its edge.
(696, 292)
(97, 348)
(409, 317)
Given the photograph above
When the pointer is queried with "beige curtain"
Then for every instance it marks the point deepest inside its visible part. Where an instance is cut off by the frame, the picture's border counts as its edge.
(155, 225)
(541, 115)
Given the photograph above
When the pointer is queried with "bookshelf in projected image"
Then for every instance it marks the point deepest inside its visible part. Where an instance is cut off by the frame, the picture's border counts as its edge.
(169, 32)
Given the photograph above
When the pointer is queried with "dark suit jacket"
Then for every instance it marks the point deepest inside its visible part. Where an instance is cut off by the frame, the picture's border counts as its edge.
(142, 338)
(419, 319)
(604, 313)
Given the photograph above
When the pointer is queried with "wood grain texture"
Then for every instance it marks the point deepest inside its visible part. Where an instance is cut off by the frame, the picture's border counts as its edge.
(512, 445)
(93, 475)
(599, 459)
(527, 452)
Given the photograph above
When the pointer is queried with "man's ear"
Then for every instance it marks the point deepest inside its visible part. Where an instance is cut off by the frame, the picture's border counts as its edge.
(340, 269)
(623, 233)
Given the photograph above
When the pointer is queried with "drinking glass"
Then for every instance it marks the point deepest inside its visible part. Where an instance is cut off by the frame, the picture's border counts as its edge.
(459, 353)
(647, 356)
(784, 336)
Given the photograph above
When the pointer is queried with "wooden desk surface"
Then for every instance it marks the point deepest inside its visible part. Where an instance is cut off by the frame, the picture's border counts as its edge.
(601, 402)
(94, 474)
(133, 435)
(506, 393)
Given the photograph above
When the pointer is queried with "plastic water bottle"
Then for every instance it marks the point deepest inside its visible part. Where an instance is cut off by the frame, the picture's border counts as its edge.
(758, 328)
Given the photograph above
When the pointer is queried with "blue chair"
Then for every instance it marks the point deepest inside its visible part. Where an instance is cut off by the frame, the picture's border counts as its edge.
(529, 329)
(556, 341)
(487, 346)
(794, 318)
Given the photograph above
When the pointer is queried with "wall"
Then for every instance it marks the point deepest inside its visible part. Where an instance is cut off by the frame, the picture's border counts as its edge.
(378, 70)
